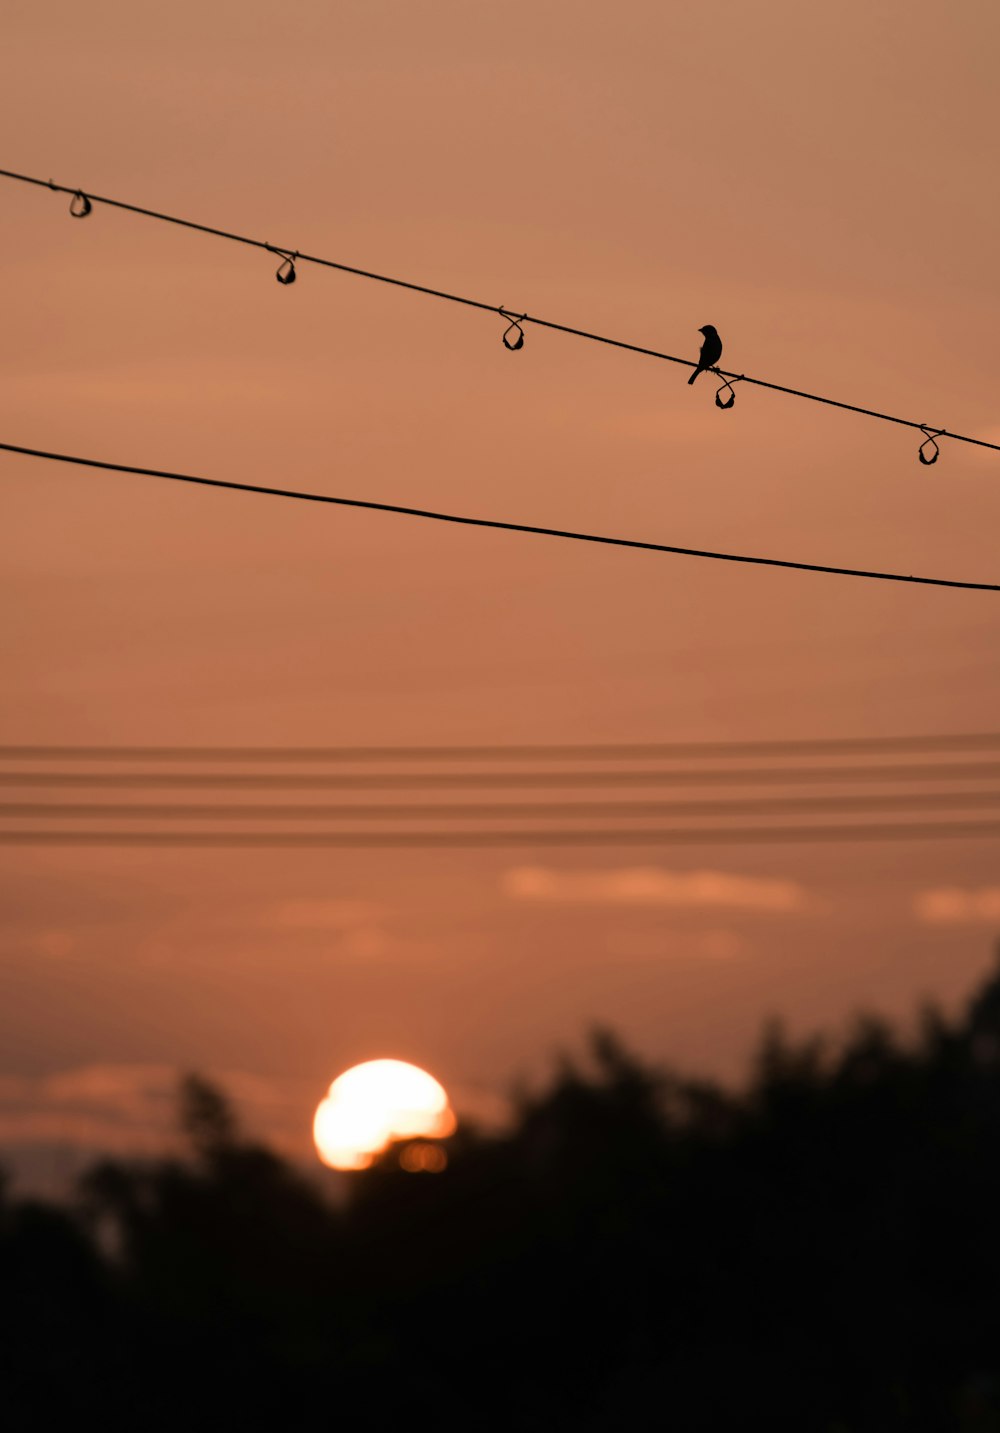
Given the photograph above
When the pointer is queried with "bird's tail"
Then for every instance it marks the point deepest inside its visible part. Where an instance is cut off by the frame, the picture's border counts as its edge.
(695, 374)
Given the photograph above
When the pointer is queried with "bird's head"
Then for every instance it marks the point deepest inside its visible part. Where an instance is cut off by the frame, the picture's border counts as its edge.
(708, 328)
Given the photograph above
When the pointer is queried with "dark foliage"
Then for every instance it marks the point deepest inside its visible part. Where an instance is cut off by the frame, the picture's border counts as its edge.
(821, 1252)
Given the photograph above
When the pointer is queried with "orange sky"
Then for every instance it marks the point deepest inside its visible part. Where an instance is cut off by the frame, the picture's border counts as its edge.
(820, 184)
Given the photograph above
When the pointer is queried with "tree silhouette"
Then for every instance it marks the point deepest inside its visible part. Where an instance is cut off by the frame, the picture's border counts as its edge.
(817, 1251)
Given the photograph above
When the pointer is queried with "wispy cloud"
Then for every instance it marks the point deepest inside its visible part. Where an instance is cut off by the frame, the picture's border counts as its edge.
(652, 886)
(955, 905)
(115, 1108)
(355, 924)
(310, 913)
(132, 1109)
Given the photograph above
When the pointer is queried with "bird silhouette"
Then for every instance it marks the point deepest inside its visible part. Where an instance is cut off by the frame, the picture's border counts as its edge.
(711, 351)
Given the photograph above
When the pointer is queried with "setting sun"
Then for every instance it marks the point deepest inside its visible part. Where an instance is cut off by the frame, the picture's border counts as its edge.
(370, 1105)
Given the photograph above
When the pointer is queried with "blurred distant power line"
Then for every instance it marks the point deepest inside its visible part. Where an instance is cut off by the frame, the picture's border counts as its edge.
(498, 810)
(529, 751)
(82, 204)
(494, 524)
(416, 780)
(695, 836)
(380, 818)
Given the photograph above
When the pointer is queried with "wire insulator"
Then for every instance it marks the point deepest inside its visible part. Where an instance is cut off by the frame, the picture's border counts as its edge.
(930, 442)
(513, 327)
(285, 272)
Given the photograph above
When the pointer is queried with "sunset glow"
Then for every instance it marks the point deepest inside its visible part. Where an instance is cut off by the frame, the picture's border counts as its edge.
(373, 1104)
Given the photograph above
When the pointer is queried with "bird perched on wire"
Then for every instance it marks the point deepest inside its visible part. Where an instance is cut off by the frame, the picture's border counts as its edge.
(711, 351)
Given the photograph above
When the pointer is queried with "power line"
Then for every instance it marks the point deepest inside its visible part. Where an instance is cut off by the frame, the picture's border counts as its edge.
(492, 523)
(296, 257)
(519, 810)
(600, 751)
(752, 835)
(411, 780)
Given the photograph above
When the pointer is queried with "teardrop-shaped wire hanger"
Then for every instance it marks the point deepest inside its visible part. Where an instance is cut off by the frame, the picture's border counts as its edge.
(513, 326)
(721, 402)
(80, 206)
(930, 442)
(285, 272)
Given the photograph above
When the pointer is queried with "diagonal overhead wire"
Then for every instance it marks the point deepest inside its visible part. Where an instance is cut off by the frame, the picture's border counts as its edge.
(930, 431)
(432, 516)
